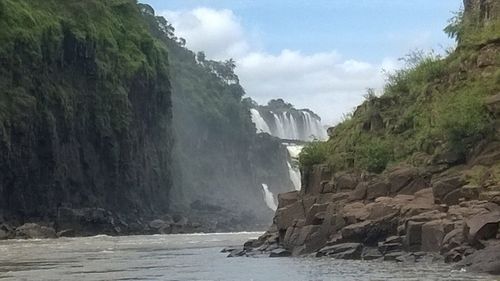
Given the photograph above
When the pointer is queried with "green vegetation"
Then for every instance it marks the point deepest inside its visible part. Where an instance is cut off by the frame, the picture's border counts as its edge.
(433, 105)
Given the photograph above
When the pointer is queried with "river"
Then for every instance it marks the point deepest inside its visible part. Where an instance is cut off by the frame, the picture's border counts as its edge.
(190, 257)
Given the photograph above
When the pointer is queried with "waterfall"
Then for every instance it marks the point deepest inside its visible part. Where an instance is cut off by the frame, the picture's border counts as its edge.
(292, 125)
(293, 165)
(269, 198)
(259, 122)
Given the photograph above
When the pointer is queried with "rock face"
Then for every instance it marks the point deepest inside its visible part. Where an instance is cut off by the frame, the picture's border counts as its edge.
(83, 128)
(393, 225)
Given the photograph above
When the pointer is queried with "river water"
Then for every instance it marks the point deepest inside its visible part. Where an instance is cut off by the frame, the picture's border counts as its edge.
(189, 257)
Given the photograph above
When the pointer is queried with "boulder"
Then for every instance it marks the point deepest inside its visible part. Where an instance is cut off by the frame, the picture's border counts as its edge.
(482, 226)
(394, 256)
(446, 184)
(342, 251)
(288, 198)
(313, 211)
(286, 216)
(278, 253)
(66, 233)
(345, 181)
(370, 253)
(433, 233)
(401, 176)
(452, 239)
(359, 193)
(377, 188)
(35, 231)
(489, 156)
(490, 196)
(486, 260)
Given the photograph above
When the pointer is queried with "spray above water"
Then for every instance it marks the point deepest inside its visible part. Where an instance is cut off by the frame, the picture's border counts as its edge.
(293, 164)
(269, 198)
(284, 125)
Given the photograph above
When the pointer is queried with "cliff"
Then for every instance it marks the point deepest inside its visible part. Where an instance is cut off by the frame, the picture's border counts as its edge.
(410, 174)
(85, 116)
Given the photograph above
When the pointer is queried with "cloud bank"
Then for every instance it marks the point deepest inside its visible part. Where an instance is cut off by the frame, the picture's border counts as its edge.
(326, 82)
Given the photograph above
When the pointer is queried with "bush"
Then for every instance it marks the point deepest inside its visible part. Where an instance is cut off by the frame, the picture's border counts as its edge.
(374, 155)
(313, 153)
(464, 117)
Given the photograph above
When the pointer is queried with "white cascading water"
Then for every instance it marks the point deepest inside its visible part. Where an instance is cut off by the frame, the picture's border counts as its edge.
(259, 122)
(269, 198)
(293, 165)
(285, 125)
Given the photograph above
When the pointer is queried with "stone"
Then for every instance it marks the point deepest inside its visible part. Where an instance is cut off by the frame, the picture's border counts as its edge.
(393, 256)
(433, 233)
(278, 253)
(401, 176)
(489, 156)
(491, 196)
(385, 248)
(482, 226)
(345, 181)
(287, 198)
(377, 189)
(413, 239)
(356, 232)
(236, 253)
(493, 104)
(313, 211)
(370, 253)
(342, 251)
(486, 260)
(452, 240)
(35, 231)
(286, 216)
(157, 224)
(359, 193)
(444, 185)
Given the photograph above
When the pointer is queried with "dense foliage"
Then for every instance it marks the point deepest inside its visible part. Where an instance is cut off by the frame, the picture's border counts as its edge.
(432, 106)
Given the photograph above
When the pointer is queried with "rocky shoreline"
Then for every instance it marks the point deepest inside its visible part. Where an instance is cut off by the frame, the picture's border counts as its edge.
(98, 221)
(407, 213)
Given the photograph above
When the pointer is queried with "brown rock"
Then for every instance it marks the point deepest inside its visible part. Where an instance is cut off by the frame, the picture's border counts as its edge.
(482, 227)
(444, 185)
(401, 176)
(342, 251)
(286, 216)
(433, 233)
(288, 198)
(313, 211)
(377, 189)
(359, 193)
(486, 260)
(345, 181)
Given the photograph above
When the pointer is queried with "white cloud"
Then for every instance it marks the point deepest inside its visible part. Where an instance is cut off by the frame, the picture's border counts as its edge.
(325, 82)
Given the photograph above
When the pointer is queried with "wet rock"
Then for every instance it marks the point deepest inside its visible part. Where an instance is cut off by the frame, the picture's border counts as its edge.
(385, 247)
(393, 256)
(485, 260)
(35, 231)
(278, 253)
(370, 253)
(413, 237)
(236, 253)
(6, 232)
(356, 232)
(66, 233)
(452, 240)
(227, 250)
(342, 251)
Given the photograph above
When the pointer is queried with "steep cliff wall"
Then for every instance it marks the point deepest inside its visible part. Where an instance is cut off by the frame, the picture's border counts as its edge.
(85, 112)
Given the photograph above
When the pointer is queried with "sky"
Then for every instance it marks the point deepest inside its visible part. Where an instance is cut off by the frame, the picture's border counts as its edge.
(317, 54)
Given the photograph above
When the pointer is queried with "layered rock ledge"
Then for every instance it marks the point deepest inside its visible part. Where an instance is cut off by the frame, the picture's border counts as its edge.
(406, 213)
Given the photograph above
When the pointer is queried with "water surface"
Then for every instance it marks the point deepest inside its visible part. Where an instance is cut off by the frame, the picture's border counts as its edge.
(190, 257)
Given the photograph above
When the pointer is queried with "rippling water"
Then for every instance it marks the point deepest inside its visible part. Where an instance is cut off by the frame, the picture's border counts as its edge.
(189, 257)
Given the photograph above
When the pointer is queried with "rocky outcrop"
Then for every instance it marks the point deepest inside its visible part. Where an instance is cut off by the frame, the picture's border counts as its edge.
(403, 214)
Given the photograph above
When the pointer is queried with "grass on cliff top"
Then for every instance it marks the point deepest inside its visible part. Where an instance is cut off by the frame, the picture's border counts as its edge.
(111, 33)
(430, 106)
